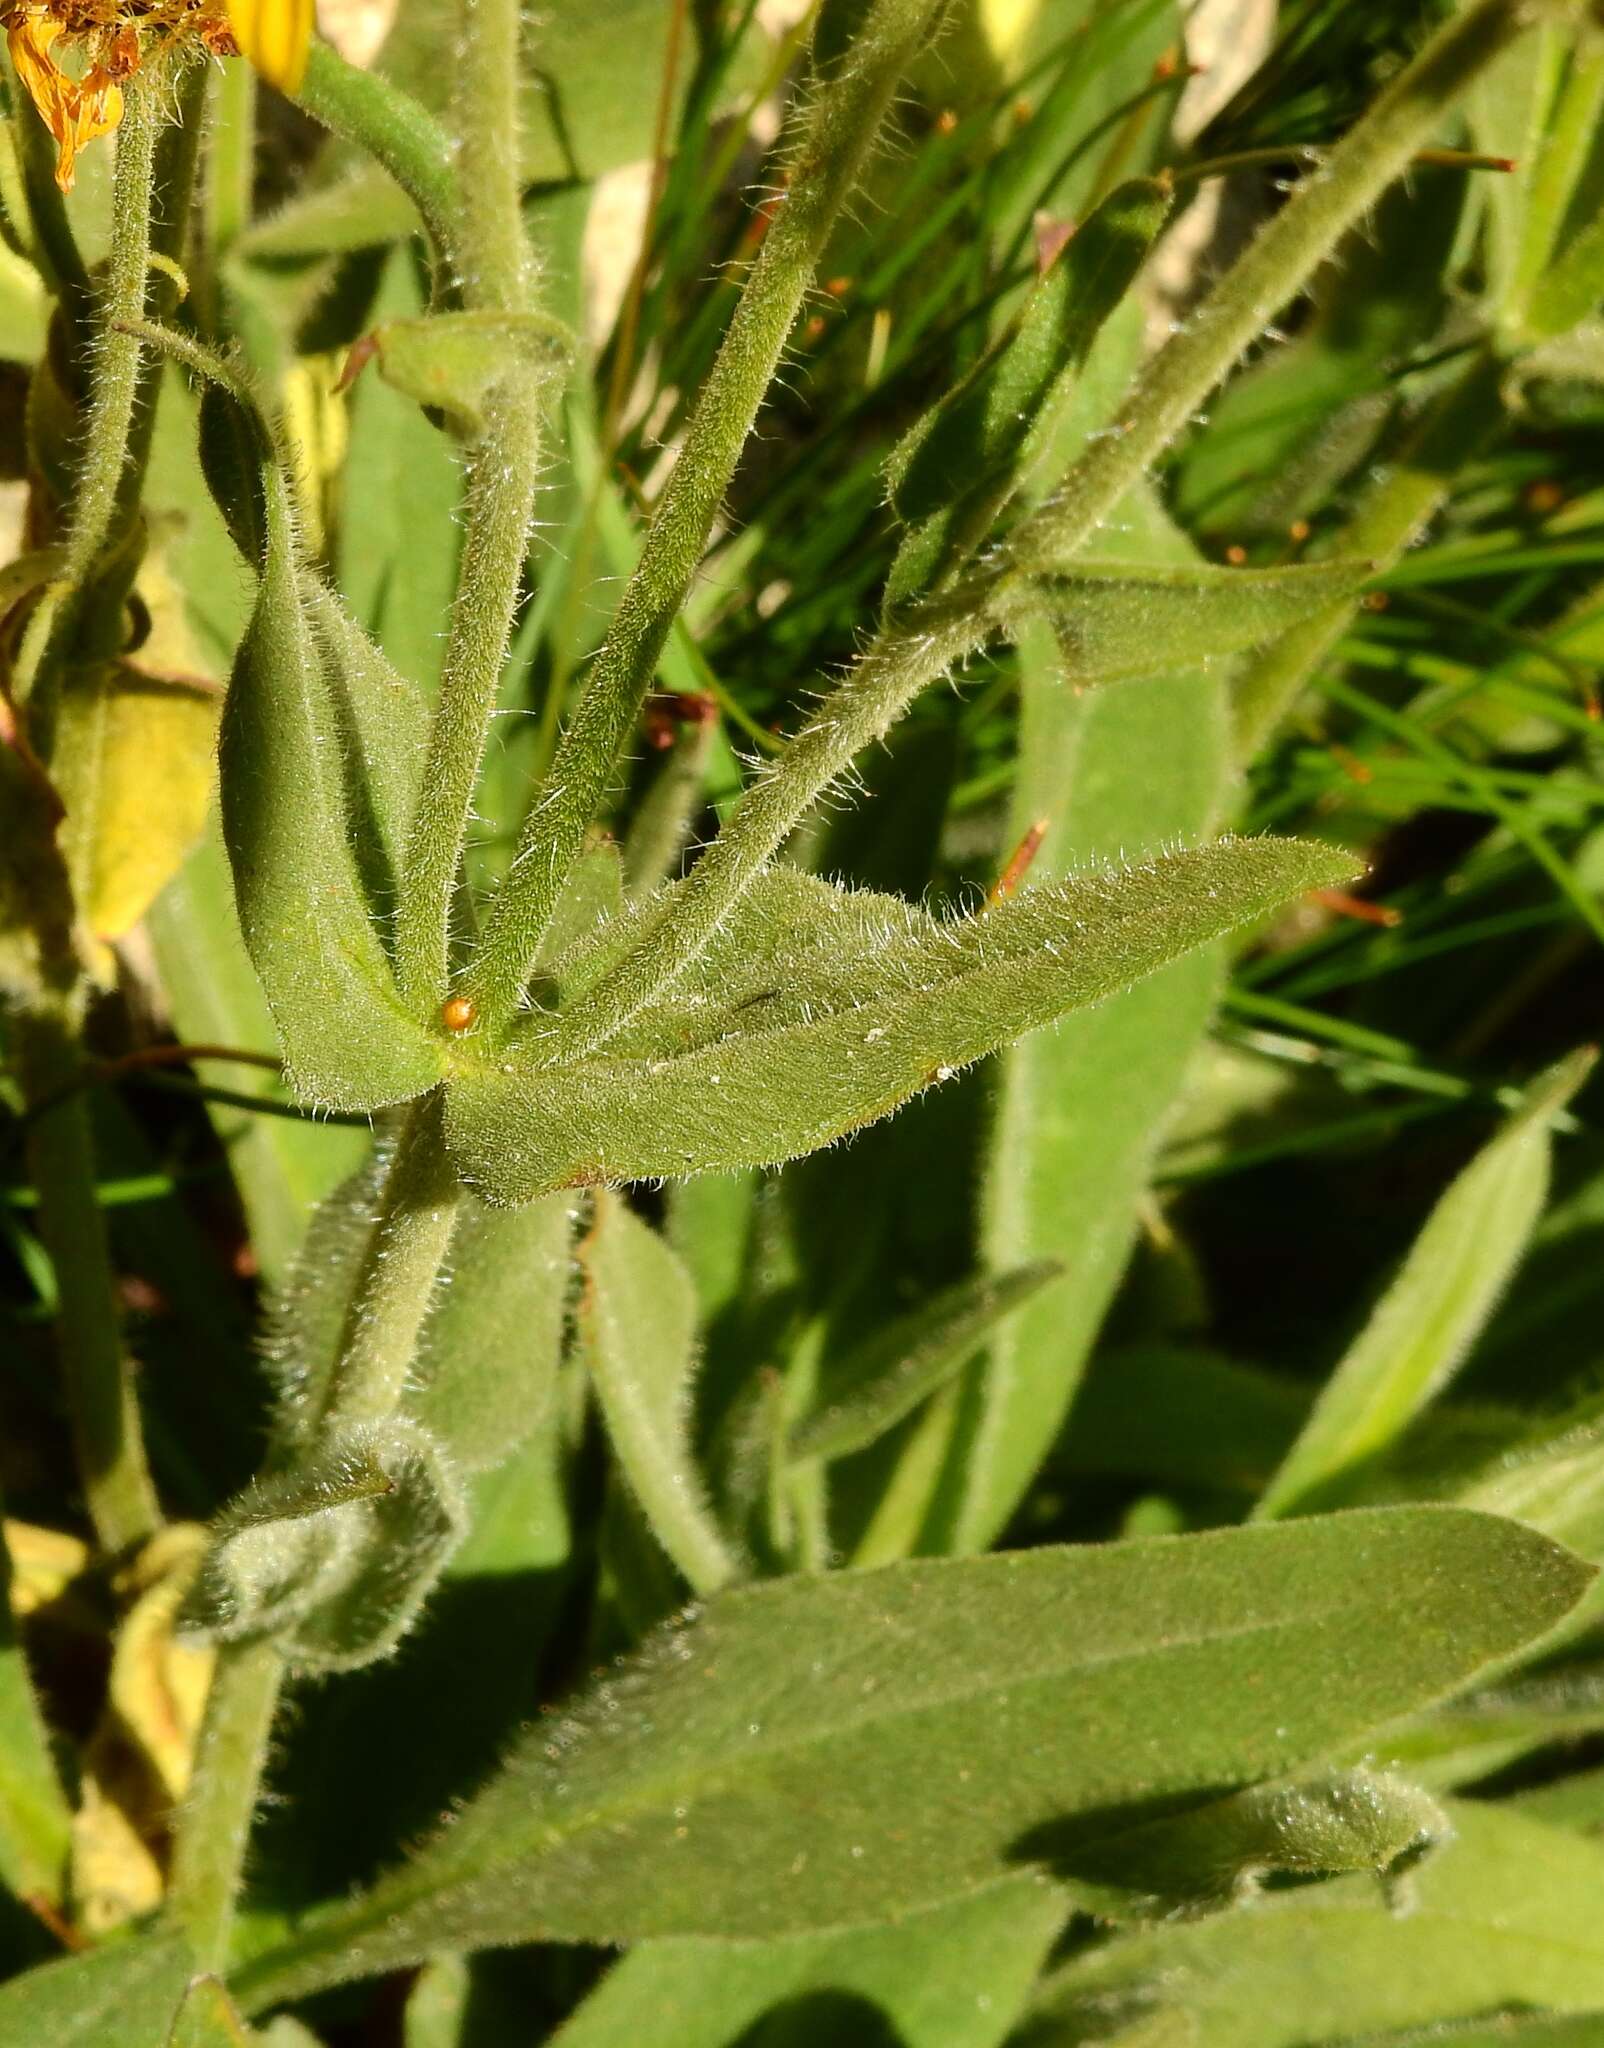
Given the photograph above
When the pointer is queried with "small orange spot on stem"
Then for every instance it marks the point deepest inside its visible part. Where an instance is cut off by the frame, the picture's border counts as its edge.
(459, 1013)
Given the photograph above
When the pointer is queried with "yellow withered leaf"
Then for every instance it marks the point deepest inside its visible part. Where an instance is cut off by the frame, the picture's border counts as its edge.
(134, 753)
(137, 1764)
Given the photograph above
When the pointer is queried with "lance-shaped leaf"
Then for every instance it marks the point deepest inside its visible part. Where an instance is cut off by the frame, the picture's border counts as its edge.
(956, 470)
(125, 1992)
(888, 1376)
(878, 1002)
(302, 862)
(1116, 619)
(638, 1319)
(825, 1752)
(1573, 289)
(384, 734)
(335, 1556)
(1118, 772)
(1426, 1322)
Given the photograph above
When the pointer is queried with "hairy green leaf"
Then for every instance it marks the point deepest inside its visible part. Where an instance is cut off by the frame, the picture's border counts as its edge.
(485, 1376)
(383, 725)
(1420, 1331)
(454, 362)
(336, 1555)
(1573, 289)
(1080, 1111)
(638, 1319)
(876, 1001)
(1116, 619)
(125, 1992)
(348, 1040)
(823, 1752)
(1315, 1827)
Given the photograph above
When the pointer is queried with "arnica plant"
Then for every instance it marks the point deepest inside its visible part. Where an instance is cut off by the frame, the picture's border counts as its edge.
(801, 899)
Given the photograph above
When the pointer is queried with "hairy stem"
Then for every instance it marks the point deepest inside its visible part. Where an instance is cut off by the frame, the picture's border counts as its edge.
(401, 136)
(1327, 203)
(103, 1413)
(406, 1251)
(82, 615)
(840, 132)
(99, 492)
(902, 662)
(496, 276)
(906, 657)
(215, 1823)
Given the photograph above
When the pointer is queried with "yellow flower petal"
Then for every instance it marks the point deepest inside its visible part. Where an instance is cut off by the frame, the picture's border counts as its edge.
(275, 35)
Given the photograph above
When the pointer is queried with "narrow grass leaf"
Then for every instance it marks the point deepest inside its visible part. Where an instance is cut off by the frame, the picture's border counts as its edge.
(1424, 1325)
(825, 1752)
(789, 1065)
(905, 1363)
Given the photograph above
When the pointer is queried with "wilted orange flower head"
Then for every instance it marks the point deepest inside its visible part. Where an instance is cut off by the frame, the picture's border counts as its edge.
(104, 42)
